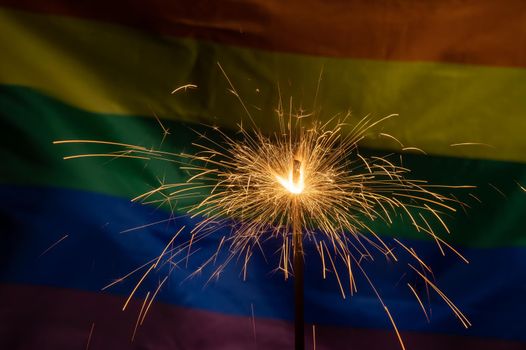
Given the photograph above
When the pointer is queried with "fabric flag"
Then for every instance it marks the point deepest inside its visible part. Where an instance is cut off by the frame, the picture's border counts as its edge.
(454, 71)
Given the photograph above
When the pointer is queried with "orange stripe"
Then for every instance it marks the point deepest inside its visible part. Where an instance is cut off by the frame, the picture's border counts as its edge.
(484, 32)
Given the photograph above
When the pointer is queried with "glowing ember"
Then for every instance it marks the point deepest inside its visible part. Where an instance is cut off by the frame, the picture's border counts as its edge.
(295, 182)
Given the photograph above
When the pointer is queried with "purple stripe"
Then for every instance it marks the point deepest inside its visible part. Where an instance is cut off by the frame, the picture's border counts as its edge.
(36, 317)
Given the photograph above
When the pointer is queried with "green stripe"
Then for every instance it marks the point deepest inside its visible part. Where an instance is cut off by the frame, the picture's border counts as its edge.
(31, 121)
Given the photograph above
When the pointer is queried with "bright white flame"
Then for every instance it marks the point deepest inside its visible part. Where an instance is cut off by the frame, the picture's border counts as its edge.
(290, 184)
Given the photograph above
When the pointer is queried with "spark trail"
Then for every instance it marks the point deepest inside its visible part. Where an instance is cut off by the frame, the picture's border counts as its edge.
(307, 173)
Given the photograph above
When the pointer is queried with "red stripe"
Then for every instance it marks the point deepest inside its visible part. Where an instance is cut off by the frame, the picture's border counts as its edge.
(472, 31)
(36, 317)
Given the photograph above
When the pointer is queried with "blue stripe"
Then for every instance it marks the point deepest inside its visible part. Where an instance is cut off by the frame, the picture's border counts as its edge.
(490, 290)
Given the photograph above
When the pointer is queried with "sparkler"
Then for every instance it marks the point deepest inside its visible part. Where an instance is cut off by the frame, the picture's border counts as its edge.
(308, 181)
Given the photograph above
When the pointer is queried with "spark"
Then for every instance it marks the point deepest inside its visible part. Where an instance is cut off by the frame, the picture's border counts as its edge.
(137, 286)
(166, 131)
(475, 197)
(54, 245)
(184, 88)
(419, 301)
(392, 138)
(138, 322)
(90, 335)
(521, 187)
(93, 155)
(463, 319)
(314, 336)
(152, 299)
(307, 174)
(471, 144)
(414, 149)
(497, 189)
(135, 228)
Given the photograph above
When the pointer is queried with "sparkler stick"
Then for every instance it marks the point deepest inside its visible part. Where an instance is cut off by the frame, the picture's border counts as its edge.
(299, 322)
(297, 238)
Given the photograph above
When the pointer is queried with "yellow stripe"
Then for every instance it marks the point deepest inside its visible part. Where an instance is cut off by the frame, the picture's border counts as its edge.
(112, 69)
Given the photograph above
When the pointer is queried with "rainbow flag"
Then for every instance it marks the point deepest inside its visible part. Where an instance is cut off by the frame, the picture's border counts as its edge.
(453, 70)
